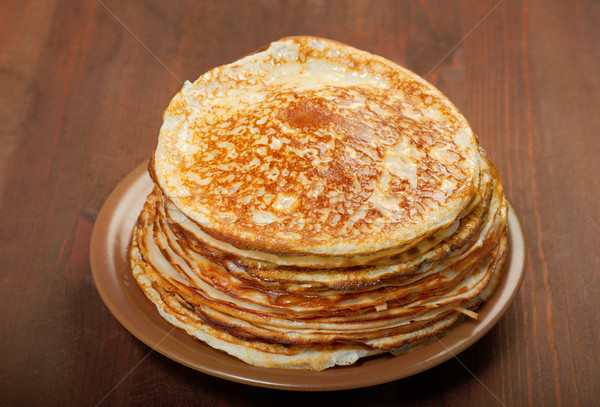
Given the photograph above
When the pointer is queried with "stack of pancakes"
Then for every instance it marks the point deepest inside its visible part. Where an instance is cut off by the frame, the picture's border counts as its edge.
(315, 204)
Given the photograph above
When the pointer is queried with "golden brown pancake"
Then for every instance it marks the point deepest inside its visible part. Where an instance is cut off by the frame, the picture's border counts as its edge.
(311, 147)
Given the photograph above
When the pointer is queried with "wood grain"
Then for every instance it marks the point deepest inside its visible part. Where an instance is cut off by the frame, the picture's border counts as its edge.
(83, 86)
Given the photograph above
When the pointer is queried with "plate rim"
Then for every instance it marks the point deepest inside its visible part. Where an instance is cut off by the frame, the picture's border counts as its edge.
(109, 265)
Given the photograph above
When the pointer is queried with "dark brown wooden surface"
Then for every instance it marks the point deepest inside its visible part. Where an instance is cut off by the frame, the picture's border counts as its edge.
(82, 90)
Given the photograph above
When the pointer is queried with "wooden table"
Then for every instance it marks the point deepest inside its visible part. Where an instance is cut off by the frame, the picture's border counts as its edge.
(82, 90)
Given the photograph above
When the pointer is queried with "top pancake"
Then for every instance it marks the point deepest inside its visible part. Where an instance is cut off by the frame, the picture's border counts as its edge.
(312, 147)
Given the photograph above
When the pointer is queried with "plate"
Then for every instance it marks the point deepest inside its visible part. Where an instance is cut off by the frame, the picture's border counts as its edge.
(124, 299)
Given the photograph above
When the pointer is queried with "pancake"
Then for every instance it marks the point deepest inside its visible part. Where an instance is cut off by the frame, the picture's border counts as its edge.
(311, 147)
(315, 204)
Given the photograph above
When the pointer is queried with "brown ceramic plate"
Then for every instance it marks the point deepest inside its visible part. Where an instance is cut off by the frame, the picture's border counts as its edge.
(120, 293)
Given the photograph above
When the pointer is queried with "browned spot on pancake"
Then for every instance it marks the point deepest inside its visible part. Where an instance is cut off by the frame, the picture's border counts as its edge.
(307, 114)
